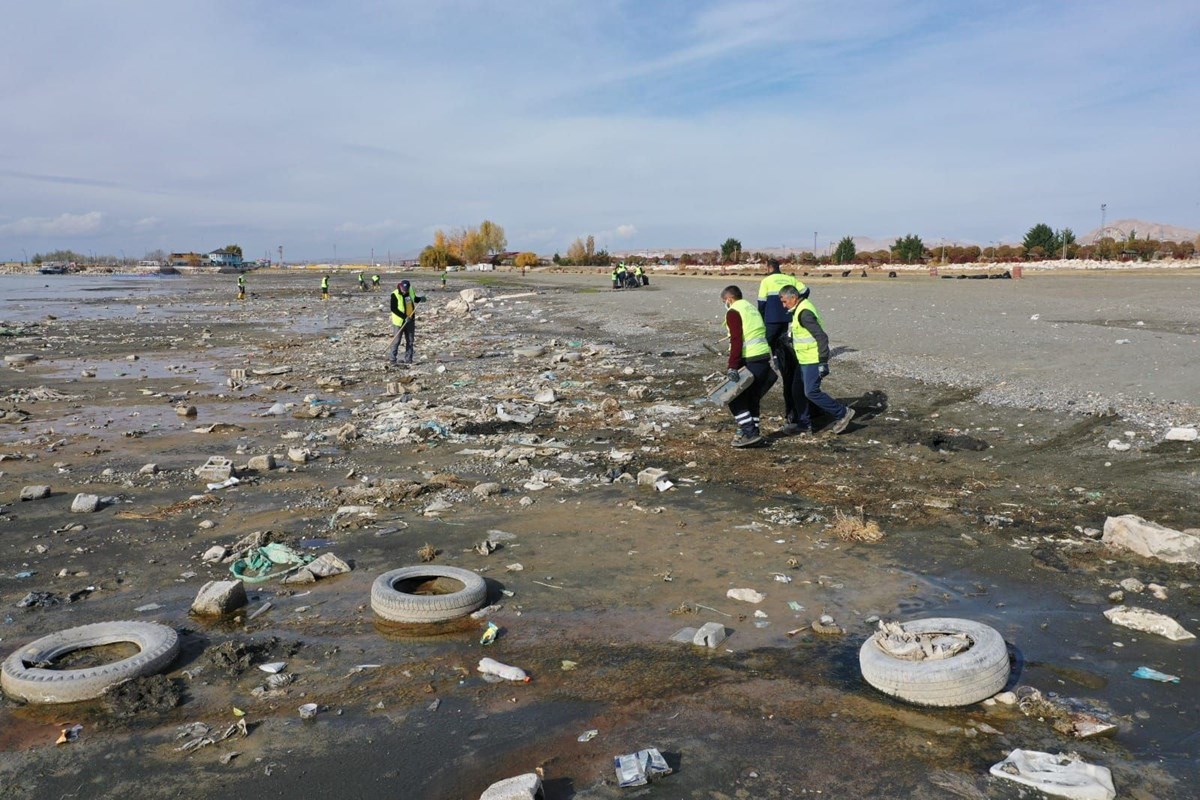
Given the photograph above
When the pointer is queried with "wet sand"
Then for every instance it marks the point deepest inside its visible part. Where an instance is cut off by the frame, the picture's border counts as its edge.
(988, 535)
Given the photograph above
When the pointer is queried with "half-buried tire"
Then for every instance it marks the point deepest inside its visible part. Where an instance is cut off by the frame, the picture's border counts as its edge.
(968, 677)
(24, 675)
(427, 594)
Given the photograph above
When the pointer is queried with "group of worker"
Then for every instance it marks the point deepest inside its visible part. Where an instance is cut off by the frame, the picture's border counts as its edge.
(625, 278)
(362, 284)
(785, 328)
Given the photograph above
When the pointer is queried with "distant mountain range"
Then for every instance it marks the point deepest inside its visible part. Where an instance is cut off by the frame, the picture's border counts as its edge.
(1120, 228)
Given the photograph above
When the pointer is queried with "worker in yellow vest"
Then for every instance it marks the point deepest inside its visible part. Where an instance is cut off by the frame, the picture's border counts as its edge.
(778, 321)
(324, 287)
(374, 282)
(404, 318)
(747, 348)
(241, 287)
(811, 345)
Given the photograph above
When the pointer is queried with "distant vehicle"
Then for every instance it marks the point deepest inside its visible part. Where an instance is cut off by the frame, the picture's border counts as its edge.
(51, 269)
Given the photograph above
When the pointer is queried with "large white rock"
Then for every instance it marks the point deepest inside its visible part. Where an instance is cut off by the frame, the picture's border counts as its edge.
(522, 787)
(85, 504)
(219, 597)
(1131, 532)
(458, 306)
(473, 295)
(1142, 619)
(1182, 435)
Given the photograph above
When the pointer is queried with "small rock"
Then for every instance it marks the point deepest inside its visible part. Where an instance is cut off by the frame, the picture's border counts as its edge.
(185, 411)
(35, 492)
(1118, 445)
(87, 373)
(546, 397)
(651, 476)
(207, 524)
(745, 595)
(709, 635)
(299, 455)
(1132, 585)
(148, 469)
(1117, 597)
(487, 489)
(219, 597)
(1007, 698)
(214, 554)
(264, 463)
(1159, 591)
(1182, 435)
(85, 504)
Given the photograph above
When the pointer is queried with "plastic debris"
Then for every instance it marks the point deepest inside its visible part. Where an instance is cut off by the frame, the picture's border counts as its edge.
(273, 667)
(587, 736)
(308, 710)
(69, 734)
(490, 634)
(1148, 674)
(746, 595)
(490, 666)
(638, 769)
(1063, 775)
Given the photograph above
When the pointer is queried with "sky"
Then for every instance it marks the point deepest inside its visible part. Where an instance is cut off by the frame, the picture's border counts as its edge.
(340, 129)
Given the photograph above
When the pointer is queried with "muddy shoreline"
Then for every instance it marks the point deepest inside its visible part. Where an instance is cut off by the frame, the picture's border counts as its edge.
(994, 534)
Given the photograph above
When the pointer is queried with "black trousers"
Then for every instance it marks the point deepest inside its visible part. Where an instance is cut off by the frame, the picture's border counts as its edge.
(747, 405)
(785, 360)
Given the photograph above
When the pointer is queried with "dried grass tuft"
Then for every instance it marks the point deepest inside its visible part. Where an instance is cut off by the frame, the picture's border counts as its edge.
(428, 553)
(854, 528)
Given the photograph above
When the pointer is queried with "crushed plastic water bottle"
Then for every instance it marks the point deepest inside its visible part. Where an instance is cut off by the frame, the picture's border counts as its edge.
(489, 666)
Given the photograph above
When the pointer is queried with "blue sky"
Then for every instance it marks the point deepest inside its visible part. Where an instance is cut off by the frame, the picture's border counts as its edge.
(357, 125)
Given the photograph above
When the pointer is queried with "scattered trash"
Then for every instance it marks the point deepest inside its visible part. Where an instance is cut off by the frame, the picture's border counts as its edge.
(827, 626)
(1062, 775)
(490, 634)
(567, 666)
(746, 595)
(1148, 674)
(273, 667)
(911, 646)
(308, 710)
(492, 667)
(638, 769)
(69, 734)
(794, 606)
(781, 578)
(1141, 619)
(587, 736)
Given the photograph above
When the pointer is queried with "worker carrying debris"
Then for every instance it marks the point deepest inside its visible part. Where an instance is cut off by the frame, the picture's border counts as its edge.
(748, 349)
(404, 313)
(811, 345)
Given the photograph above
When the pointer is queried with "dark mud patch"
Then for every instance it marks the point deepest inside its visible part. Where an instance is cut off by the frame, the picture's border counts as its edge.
(941, 441)
(148, 695)
(235, 657)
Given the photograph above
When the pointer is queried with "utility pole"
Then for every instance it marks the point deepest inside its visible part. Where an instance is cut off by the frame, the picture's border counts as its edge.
(281, 256)
(1103, 216)
(814, 244)
(372, 256)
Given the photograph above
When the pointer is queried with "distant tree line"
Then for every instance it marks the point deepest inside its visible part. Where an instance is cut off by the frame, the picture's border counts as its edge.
(469, 245)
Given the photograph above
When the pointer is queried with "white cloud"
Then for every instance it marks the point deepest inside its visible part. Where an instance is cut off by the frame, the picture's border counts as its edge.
(62, 225)
(626, 231)
(147, 223)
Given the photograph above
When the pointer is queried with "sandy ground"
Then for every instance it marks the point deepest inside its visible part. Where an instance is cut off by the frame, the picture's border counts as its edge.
(609, 570)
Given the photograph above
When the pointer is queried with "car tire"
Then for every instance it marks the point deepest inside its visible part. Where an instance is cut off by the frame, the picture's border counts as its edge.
(975, 674)
(22, 678)
(400, 605)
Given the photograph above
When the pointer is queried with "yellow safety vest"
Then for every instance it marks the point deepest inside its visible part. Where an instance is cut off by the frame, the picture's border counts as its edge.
(807, 351)
(410, 306)
(754, 330)
(771, 284)
(325, 284)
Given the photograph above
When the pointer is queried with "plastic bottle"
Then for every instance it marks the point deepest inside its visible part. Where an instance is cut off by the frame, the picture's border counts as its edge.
(489, 666)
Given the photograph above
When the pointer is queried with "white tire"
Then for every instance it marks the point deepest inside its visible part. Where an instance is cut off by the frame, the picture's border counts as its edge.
(22, 677)
(975, 674)
(391, 598)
